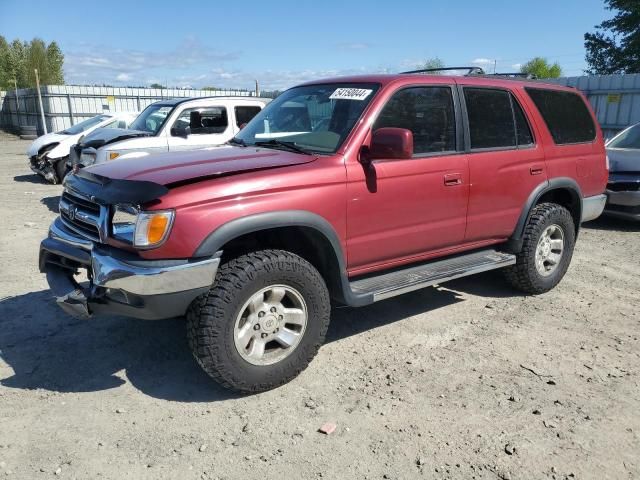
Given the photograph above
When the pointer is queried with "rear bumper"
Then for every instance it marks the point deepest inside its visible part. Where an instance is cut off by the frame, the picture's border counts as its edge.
(592, 207)
(119, 282)
(625, 204)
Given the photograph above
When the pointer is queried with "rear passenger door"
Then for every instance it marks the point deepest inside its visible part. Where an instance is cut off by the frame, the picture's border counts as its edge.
(208, 126)
(505, 162)
(243, 115)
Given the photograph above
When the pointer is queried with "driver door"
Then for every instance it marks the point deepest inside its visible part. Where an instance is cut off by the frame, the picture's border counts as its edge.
(199, 127)
(402, 209)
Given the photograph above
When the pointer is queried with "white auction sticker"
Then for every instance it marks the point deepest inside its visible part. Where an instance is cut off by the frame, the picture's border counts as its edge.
(350, 94)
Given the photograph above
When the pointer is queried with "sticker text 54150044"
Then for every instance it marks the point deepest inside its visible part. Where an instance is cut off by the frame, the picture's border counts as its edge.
(350, 94)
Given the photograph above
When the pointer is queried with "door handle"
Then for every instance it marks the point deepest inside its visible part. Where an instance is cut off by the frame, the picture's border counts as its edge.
(536, 170)
(452, 179)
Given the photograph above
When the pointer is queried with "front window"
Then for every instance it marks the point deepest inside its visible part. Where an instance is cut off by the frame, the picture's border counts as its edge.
(629, 138)
(315, 118)
(85, 125)
(152, 118)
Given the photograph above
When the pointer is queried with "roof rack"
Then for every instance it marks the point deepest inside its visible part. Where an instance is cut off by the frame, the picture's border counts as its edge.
(528, 76)
(470, 70)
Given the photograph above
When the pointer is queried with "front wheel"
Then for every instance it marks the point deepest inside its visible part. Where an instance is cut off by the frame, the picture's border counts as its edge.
(61, 169)
(547, 249)
(262, 321)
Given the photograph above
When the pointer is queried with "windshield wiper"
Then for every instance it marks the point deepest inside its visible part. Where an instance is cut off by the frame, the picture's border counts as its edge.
(237, 141)
(279, 143)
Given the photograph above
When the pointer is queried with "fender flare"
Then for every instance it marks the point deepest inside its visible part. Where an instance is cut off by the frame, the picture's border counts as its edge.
(560, 183)
(215, 241)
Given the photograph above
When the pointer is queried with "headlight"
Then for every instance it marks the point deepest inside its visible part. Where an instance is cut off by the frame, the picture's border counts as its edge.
(141, 229)
(152, 228)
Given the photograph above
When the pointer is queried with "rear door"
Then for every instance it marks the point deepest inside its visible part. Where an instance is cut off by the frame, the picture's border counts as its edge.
(506, 163)
(243, 115)
(208, 126)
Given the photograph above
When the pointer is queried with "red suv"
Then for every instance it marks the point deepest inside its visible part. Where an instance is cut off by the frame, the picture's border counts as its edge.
(347, 190)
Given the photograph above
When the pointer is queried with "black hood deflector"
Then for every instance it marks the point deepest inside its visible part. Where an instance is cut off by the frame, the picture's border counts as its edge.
(110, 191)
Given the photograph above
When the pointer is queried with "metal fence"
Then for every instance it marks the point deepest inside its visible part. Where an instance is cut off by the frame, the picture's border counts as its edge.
(66, 105)
(615, 98)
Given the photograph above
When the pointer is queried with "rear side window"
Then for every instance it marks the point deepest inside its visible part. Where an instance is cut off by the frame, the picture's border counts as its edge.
(428, 112)
(523, 131)
(203, 121)
(490, 115)
(245, 113)
(565, 114)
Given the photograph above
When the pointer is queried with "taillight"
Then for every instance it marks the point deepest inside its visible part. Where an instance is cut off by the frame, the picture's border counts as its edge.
(607, 162)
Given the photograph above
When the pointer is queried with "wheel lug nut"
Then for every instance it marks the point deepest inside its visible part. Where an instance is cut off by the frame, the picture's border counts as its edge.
(264, 335)
(280, 317)
(273, 309)
(261, 314)
(256, 326)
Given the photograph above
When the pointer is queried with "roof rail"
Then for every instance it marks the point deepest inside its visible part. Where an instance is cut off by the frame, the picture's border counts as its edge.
(528, 76)
(470, 70)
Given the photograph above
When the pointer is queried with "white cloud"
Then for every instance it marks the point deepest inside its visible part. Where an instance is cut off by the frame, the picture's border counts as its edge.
(482, 61)
(353, 45)
(516, 66)
(123, 77)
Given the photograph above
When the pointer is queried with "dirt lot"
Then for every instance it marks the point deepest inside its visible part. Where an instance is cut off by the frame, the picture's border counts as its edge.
(469, 380)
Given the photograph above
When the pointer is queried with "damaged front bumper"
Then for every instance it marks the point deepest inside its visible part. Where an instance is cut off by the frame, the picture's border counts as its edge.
(119, 282)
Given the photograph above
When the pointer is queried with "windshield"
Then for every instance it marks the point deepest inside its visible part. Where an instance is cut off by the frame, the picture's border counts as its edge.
(316, 118)
(629, 138)
(86, 125)
(151, 118)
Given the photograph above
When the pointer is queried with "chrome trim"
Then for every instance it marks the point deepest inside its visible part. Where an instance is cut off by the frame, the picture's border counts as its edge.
(99, 222)
(59, 231)
(111, 273)
(592, 207)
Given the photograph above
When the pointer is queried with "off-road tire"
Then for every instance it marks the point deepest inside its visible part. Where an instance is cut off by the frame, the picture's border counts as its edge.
(523, 275)
(211, 318)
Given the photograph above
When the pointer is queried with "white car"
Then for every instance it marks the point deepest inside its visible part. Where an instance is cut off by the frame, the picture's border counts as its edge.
(48, 153)
(170, 125)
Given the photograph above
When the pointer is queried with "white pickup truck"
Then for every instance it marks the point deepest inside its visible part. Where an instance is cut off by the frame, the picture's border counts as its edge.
(170, 125)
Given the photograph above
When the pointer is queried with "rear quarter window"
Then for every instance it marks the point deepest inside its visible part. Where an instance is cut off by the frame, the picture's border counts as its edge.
(565, 114)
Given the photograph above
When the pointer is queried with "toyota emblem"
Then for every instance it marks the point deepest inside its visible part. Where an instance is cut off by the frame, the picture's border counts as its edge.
(72, 211)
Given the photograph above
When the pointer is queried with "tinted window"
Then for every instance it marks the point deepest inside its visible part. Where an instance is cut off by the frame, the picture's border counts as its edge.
(565, 114)
(428, 112)
(490, 118)
(629, 138)
(245, 114)
(522, 126)
(203, 120)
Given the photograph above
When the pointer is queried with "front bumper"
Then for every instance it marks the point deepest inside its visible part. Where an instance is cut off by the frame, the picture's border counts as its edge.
(119, 282)
(624, 204)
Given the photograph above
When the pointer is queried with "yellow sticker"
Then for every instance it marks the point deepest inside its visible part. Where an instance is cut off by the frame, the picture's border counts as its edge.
(613, 98)
(111, 99)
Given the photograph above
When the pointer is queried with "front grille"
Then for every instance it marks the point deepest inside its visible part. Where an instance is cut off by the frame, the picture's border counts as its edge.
(624, 186)
(82, 215)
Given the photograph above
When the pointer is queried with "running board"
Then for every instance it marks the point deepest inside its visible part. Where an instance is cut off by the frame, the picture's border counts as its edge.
(409, 279)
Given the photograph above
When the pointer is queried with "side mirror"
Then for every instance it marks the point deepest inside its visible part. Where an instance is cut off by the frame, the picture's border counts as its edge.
(180, 132)
(390, 143)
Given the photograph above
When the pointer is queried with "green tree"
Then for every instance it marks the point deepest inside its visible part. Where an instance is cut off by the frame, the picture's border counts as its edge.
(6, 79)
(55, 62)
(435, 62)
(156, 85)
(541, 68)
(210, 88)
(615, 45)
(18, 60)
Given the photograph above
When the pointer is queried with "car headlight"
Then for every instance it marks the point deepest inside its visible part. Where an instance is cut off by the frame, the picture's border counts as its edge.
(141, 229)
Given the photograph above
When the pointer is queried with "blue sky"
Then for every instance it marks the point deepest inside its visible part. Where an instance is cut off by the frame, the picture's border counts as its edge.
(280, 43)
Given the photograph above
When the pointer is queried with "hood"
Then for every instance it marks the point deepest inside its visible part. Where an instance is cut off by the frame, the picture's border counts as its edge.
(182, 167)
(104, 136)
(623, 160)
(48, 139)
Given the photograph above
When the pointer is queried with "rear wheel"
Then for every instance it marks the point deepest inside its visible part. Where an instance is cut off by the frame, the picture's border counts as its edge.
(262, 322)
(547, 249)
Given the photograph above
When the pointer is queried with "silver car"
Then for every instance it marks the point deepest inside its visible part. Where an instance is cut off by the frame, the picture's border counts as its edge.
(623, 189)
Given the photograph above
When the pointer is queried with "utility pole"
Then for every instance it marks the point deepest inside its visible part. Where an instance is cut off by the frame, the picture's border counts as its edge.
(257, 89)
(495, 62)
(44, 124)
(15, 85)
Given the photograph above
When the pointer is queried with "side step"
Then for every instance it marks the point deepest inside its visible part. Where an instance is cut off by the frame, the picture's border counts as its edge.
(413, 278)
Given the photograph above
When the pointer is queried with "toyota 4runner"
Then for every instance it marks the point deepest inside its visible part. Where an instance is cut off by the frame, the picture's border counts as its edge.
(348, 190)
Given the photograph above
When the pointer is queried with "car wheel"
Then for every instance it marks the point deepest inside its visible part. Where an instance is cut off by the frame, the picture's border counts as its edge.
(549, 239)
(262, 321)
(61, 169)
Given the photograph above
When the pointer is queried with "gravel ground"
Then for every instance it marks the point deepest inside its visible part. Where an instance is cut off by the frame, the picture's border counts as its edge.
(468, 380)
